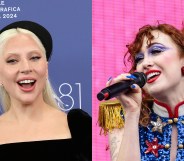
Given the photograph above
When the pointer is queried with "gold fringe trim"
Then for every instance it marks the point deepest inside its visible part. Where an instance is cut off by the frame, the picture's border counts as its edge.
(109, 116)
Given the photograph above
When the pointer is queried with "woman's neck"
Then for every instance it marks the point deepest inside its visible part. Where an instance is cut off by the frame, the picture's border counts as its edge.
(171, 99)
(23, 112)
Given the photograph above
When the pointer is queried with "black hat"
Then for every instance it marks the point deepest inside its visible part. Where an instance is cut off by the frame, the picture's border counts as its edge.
(41, 32)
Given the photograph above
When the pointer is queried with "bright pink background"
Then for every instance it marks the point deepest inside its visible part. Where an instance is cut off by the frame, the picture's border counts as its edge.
(114, 24)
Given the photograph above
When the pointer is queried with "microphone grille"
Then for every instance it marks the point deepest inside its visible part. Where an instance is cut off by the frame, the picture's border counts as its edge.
(141, 78)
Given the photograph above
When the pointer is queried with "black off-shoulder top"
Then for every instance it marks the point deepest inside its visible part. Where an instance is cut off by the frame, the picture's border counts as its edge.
(77, 148)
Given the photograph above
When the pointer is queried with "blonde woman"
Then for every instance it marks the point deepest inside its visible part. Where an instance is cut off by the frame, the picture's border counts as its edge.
(31, 123)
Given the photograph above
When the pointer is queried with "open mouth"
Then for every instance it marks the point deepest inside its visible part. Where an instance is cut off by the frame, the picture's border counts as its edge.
(27, 83)
(152, 76)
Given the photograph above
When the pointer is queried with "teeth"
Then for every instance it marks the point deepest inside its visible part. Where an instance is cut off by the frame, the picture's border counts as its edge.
(26, 81)
(152, 74)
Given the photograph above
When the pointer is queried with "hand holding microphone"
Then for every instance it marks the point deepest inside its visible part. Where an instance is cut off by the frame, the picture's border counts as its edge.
(122, 86)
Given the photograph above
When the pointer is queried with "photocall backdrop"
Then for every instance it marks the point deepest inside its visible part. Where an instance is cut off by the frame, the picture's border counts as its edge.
(69, 22)
(114, 25)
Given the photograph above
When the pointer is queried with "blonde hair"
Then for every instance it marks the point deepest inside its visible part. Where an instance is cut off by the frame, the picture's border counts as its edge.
(49, 96)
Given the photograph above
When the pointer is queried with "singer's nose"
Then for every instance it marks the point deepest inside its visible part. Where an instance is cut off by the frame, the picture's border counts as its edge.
(147, 62)
(25, 67)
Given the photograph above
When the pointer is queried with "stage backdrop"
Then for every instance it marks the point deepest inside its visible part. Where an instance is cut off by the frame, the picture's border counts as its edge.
(114, 25)
(69, 22)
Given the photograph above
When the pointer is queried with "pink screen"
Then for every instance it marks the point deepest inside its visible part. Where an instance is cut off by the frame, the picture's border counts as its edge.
(114, 24)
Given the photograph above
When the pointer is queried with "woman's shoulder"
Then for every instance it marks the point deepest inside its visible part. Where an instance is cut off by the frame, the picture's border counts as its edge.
(79, 119)
(78, 113)
(80, 124)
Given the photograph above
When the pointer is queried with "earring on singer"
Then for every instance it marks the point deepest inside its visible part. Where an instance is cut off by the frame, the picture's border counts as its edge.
(182, 70)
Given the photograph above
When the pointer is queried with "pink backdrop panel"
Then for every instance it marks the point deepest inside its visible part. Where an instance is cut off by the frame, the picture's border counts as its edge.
(114, 24)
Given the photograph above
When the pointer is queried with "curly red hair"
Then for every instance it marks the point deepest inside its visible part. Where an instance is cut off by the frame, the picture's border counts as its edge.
(177, 37)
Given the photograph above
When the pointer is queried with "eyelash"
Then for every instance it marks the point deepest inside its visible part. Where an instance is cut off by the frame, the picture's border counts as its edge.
(35, 57)
(153, 51)
(138, 59)
(11, 61)
(156, 51)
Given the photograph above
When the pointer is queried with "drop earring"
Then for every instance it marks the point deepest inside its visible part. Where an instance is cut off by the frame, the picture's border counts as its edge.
(182, 70)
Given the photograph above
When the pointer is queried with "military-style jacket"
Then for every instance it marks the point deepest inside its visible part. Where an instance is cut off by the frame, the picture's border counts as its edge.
(155, 139)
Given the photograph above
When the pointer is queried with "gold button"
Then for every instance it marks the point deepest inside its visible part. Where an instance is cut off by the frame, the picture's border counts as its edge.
(170, 121)
(180, 146)
(175, 120)
(167, 146)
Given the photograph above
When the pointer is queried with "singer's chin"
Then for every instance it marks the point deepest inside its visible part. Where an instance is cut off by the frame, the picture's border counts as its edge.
(153, 90)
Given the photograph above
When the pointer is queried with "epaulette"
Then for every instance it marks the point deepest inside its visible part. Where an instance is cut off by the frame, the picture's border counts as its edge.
(110, 116)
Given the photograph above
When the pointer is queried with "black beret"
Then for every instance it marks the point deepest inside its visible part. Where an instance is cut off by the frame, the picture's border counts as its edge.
(41, 32)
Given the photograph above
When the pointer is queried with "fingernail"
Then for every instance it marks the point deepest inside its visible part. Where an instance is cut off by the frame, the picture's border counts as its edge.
(110, 78)
(133, 86)
(131, 76)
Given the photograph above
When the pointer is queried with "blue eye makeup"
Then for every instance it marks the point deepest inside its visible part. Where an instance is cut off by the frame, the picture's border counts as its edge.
(153, 50)
(139, 57)
(156, 49)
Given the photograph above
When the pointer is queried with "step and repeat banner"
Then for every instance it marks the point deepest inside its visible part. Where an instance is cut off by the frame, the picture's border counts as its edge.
(70, 23)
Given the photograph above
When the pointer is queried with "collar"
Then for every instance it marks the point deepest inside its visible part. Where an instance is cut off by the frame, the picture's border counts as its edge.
(164, 110)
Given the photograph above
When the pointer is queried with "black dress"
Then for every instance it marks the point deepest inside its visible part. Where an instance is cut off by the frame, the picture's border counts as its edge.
(78, 148)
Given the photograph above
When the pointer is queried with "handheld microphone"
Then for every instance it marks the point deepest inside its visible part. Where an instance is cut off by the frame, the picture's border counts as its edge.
(123, 86)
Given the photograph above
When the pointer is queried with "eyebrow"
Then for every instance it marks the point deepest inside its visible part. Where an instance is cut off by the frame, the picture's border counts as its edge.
(11, 53)
(151, 44)
(17, 53)
(148, 46)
